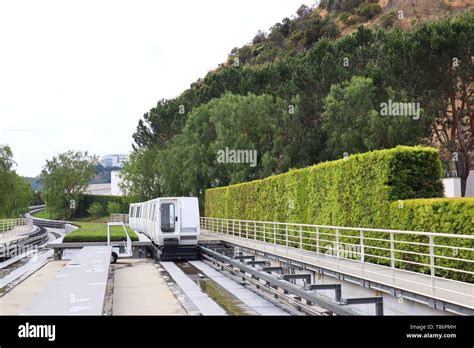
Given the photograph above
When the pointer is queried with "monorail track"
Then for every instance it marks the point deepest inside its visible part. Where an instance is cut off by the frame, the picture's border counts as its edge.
(282, 284)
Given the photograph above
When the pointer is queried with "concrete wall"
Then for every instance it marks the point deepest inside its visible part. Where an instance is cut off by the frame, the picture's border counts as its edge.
(452, 186)
(470, 184)
(115, 180)
(98, 189)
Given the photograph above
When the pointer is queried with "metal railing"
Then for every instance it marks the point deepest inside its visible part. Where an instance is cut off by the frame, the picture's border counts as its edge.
(436, 254)
(15, 227)
(119, 218)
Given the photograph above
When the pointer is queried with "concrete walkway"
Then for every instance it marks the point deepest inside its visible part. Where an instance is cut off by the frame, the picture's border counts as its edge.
(139, 289)
(22, 295)
(78, 289)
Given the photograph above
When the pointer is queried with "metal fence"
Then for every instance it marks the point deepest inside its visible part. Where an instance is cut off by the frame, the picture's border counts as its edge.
(15, 227)
(119, 218)
(437, 254)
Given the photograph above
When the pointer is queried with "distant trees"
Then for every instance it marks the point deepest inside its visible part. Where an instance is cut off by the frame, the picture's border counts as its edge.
(65, 177)
(15, 192)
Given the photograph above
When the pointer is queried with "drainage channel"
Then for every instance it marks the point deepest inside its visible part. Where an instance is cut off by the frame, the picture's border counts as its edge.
(231, 304)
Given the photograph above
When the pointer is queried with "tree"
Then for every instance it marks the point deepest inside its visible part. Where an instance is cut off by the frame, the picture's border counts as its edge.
(354, 124)
(141, 180)
(64, 179)
(15, 192)
(433, 63)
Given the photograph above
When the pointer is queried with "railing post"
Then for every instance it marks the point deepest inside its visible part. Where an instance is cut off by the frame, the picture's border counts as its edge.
(286, 236)
(240, 228)
(301, 237)
(362, 247)
(264, 232)
(317, 240)
(255, 230)
(247, 229)
(233, 228)
(337, 242)
(432, 257)
(274, 233)
(392, 251)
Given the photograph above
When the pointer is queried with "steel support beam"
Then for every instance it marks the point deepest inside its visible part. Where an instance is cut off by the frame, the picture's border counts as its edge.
(378, 301)
(335, 287)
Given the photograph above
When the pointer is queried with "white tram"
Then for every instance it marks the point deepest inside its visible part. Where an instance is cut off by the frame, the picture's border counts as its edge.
(171, 223)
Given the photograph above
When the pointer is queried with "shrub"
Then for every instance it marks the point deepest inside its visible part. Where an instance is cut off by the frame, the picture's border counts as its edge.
(368, 10)
(114, 208)
(344, 18)
(389, 19)
(96, 209)
(356, 191)
(86, 201)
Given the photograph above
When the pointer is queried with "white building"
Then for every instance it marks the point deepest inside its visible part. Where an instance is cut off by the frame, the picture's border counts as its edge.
(107, 189)
(452, 186)
(113, 160)
(98, 189)
(115, 181)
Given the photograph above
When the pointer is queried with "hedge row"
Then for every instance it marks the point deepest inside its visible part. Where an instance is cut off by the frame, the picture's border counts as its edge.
(87, 200)
(443, 215)
(356, 191)
(375, 189)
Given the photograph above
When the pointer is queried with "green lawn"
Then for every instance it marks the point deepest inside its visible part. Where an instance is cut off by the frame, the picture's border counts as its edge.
(103, 219)
(46, 214)
(97, 232)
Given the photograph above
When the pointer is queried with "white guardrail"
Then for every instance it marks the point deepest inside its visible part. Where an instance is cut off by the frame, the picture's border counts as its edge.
(15, 227)
(436, 254)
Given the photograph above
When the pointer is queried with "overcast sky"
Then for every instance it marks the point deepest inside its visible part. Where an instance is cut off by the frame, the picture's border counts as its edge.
(80, 74)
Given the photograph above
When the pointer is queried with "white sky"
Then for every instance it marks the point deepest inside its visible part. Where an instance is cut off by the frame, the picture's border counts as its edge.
(80, 74)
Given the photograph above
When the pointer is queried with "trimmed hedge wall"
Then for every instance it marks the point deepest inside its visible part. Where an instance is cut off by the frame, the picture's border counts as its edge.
(375, 189)
(443, 215)
(356, 191)
(87, 200)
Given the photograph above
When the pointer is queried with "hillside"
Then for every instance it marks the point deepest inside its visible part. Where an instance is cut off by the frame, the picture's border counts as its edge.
(335, 19)
(311, 90)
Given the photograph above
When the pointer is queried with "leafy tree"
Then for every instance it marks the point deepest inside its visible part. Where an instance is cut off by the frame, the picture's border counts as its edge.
(96, 209)
(433, 63)
(354, 124)
(15, 192)
(64, 179)
(141, 181)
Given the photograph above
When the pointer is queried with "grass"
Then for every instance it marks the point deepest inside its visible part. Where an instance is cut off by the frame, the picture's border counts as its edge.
(46, 214)
(97, 232)
(103, 219)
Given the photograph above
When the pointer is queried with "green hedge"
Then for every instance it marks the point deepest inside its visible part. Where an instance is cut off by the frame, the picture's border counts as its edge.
(375, 189)
(97, 232)
(442, 215)
(356, 191)
(87, 200)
